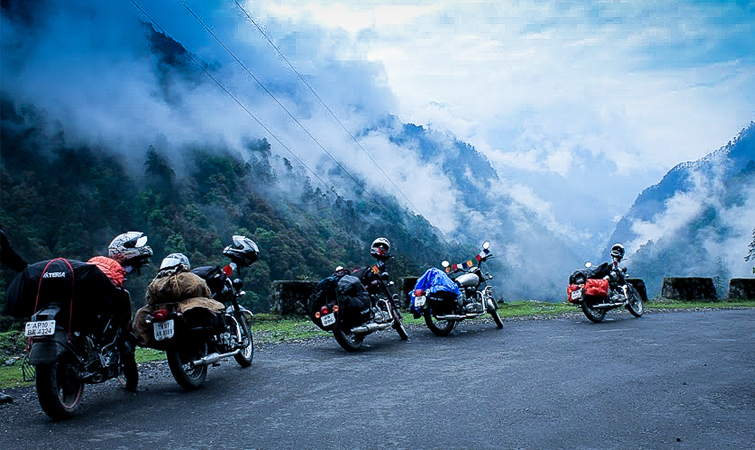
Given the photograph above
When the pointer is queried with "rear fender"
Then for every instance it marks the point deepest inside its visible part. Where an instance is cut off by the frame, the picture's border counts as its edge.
(48, 313)
(49, 349)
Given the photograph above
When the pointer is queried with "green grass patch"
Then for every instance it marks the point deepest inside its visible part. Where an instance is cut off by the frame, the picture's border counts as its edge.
(270, 328)
(532, 308)
(148, 354)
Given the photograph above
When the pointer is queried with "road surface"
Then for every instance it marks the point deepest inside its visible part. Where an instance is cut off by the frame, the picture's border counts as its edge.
(678, 380)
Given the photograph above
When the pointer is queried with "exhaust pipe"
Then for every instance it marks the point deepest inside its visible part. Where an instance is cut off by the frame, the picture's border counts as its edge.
(608, 305)
(370, 327)
(458, 316)
(215, 357)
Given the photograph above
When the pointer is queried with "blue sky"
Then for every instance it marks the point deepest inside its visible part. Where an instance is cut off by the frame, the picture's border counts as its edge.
(561, 96)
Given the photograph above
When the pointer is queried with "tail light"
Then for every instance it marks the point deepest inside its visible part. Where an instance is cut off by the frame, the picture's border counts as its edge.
(160, 315)
(324, 310)
(228, 270)
(419, 292)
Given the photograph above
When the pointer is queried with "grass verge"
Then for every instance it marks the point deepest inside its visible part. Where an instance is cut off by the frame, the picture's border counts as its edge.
(270, 328)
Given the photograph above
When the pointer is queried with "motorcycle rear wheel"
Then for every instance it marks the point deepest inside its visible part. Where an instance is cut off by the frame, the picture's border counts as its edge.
(349, 341)
(438, 327)
(187, 376)
(247, 353)
(59, 390)
(594, 314)
(129, 377)
(635, 305)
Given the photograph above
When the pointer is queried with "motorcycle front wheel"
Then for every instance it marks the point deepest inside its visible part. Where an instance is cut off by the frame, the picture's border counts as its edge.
(247, 353)
(438, 327)
(349, 341)
(187, 375)
(398, 325)
(594, 314)
(635, 305)
(493, 310)
(129, 377)
(59, 388)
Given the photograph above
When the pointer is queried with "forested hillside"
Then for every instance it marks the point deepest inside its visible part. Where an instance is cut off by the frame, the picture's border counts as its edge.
(65, 200)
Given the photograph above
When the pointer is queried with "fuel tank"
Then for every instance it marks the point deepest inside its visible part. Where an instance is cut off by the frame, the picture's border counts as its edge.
(468, 280)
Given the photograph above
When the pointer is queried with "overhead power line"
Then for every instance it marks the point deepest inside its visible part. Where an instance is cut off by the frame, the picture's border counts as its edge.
(238, 102)
(243, 66)
(301, 77)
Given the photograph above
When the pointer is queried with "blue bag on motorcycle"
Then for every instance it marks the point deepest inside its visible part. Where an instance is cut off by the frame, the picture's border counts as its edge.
(437, 285)
(353, 301)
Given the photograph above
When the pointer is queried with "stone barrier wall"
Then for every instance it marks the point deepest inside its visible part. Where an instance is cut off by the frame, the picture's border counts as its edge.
(689, 288)
(289, 297)
(742, 288)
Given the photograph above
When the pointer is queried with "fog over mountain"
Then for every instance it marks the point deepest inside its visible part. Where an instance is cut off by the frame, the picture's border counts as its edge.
(698, 221)
(124, 76)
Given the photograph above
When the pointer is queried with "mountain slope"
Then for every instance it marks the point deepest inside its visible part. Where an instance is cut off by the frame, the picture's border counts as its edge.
(698, 220)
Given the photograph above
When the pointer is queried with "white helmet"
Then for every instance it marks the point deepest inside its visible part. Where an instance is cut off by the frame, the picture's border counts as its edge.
(617, 251)
(130, 249)
(381, 248)
(175, 259)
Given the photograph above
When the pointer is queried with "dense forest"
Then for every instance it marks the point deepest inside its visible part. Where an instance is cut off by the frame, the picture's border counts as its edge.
(65, 200)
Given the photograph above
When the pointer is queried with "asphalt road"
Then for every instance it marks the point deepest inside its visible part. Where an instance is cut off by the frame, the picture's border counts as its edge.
(681, 380)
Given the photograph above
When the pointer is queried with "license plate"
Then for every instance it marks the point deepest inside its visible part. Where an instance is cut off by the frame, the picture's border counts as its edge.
(163, 330)
(419, 302)
(328, 319)
(41, 328)
(576, 295)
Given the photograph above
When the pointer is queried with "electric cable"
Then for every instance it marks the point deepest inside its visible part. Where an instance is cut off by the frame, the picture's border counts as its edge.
(277, 101)
(306, 83)
(238, 102)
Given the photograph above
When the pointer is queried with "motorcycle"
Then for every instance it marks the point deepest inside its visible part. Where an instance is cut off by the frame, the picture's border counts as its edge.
(601, 289)
(198, 337)
(71, 342)
(443, 308)
(343, 306)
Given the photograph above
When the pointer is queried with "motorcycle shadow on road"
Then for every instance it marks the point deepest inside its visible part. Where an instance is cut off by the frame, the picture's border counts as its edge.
(385, 340)
(612, 319)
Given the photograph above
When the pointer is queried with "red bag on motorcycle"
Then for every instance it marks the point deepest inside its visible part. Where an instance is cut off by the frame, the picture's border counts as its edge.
(596, 287)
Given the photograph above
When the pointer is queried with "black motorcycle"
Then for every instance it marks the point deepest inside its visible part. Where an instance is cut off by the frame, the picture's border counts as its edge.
(443, 309)
(73, 340)
(603, 288)
(196, 338)
(342, 305)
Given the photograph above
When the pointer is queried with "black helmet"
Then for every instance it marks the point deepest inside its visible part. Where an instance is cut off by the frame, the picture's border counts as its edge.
(617, 251)
(381, 248)
(243, 251)
(130, 249)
